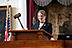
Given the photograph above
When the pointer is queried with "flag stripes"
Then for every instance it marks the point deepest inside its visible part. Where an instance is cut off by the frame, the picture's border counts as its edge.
(7, 26)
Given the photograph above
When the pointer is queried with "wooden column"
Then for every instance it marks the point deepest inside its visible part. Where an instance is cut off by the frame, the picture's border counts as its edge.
(40, 35)
(14, 34)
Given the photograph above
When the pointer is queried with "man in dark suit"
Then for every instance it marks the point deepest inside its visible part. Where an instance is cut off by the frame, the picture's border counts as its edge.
(67, 26)
(66, 30)
(42, 23)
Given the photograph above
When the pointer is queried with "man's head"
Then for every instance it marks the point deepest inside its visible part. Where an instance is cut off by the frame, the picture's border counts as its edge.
(41, 16)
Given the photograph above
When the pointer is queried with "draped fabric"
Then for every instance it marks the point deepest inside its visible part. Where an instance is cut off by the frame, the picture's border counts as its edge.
(31, 13)
(42, 2)
(47, 2)
(65, 2)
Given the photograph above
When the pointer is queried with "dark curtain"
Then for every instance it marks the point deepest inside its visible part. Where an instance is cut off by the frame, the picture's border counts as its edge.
(31, 14)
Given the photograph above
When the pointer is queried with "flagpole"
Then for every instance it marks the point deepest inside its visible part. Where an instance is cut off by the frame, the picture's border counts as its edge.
(6, 32)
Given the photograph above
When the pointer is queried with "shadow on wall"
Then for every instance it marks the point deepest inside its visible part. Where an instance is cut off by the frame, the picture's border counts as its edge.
(13, 20)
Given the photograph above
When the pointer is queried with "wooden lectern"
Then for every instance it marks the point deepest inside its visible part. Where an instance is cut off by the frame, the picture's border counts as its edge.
(30, 35)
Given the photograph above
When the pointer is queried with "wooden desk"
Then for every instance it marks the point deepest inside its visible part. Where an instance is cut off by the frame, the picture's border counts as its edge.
(36, 44)
(33, 44)
(30, 35)
(68, 43)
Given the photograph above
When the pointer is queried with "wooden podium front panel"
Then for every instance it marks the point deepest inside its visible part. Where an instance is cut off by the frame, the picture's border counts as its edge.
(45, 37)
(30, 35)
(27, 36)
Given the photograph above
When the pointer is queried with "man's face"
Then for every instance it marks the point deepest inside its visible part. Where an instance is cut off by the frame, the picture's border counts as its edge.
(41, 17)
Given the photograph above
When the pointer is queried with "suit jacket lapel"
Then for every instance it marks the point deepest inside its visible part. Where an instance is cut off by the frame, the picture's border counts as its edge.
(37, 25)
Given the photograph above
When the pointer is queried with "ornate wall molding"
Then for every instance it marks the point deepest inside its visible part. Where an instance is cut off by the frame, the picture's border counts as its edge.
(58, 15)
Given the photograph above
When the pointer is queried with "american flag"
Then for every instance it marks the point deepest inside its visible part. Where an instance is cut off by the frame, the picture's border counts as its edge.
(7, 26)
